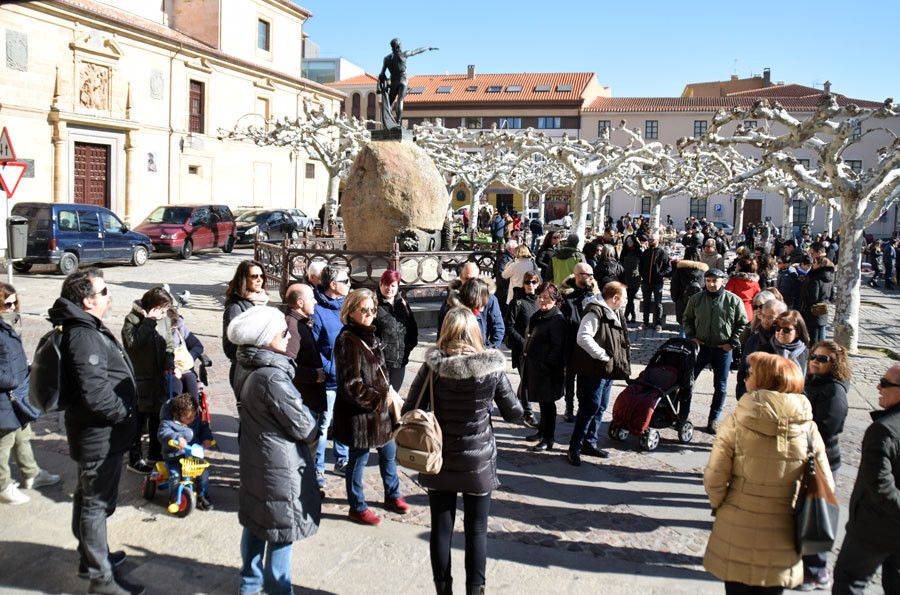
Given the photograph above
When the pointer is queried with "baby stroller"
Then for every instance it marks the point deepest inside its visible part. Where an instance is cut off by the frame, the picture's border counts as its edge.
(659, 397)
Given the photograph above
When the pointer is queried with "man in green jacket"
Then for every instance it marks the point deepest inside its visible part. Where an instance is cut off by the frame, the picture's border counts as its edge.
(714, 320)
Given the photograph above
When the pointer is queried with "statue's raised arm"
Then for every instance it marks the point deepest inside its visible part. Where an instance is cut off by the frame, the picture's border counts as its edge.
(394, 90)
(418, 51)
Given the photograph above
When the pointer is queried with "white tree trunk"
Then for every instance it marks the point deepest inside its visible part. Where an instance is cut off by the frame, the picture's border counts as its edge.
(542, 200)
(829, 221)
(738, 216)
(582, 191)
(331, 200)
(473, 211)
(810, 213)
(848, 276)
(655, 212)
(604, 210)
(787, 215)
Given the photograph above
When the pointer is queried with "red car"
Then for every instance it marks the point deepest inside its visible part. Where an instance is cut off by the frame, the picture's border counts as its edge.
(184, 229)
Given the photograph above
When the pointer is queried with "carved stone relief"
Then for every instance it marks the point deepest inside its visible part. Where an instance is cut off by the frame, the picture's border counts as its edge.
(157, 85)
(16, 50)
(94, 87)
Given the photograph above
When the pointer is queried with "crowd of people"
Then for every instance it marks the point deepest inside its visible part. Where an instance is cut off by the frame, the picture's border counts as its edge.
(329, 362)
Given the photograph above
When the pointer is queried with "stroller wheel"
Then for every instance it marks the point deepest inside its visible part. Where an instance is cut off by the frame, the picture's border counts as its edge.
(650, 440)
(617, 433)
(686, 432)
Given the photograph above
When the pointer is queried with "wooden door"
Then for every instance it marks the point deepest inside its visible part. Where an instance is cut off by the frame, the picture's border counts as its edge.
(505, 203)
(752, 211)
(92, 174)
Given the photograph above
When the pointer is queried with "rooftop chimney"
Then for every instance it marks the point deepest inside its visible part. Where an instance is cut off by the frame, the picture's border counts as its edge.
(471, 73)
(767, 77)
(734, 77)
(827, 87)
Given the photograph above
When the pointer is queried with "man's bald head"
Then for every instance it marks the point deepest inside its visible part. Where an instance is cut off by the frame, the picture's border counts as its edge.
(889, 388)
(468, 271)
(300, 297)
(584, 274)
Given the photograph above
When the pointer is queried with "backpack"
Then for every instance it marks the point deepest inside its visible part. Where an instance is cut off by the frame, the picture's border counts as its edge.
(418, 437)
(47, 373)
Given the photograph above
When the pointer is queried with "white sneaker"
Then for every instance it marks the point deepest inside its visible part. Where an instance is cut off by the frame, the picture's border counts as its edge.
(12, 495)
(40, 480)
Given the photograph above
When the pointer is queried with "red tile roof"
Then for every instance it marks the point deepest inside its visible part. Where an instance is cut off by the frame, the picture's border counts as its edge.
(355, 81)
(791, 90)
(459, 83)
(710, 104)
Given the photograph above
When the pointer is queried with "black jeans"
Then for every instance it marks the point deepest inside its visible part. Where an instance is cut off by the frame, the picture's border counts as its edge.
(651, 296)
(631, 291)
(154, 452)
(96, 495)
(732, 588)
(475, 521)
(570, 390)
(547, 423)
(857, 563)
(523, 399)
(186, 384)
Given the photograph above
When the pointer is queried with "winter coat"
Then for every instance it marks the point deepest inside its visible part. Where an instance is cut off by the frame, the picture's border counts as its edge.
(631, 268)
(828, 397)
(888, 257)
(170, 429)
(326, 327)
(545, 263)
(301, 348)
(148, 343)
(199, 429)
(816, 288)
(715, 318)
(278, 495)
(788, 284)
(875, 258)
(573, 308)
(752, 479)
(602, 347)
(182, 335)
(465, 389)
(745, 286)
(543, 370)
(875, 502)
(797, 351)
(760, 341)
(712, 261)
(518, 314)
(501, 281)
(490, 319)
(396, 327)
(655, 265)
(361, 415)
(515, 271)
(562, 265)
(687, 280)
(13, 376)
(607, 271)
(498, 227)
(99, 385)
(234, 305)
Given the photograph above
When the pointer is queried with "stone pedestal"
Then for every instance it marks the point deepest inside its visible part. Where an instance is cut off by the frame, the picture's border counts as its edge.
(393, 191)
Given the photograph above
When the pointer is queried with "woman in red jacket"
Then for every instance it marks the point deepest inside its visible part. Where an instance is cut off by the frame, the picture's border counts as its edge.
(744, 283)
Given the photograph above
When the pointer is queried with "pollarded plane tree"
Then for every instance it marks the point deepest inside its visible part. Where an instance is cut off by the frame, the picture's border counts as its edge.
(470, 157)
(741, 179)
(538, 175)
(330, 138)
(860, 198)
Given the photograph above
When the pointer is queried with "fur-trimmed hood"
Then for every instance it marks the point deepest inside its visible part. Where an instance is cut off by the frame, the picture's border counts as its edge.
(461, 367)
(692, 264)
(746, 277)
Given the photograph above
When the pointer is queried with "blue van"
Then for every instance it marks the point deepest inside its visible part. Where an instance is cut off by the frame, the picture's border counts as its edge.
(68, 234)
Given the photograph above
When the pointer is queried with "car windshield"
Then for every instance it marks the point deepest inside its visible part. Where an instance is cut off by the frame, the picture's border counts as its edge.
(250, 216)
(177, 215)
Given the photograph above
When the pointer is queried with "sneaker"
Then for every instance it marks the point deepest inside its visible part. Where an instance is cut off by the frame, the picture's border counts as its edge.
(593, 451)
(114, 586)
(340, 468)
(141, 466)
(817, 584)
(203, 503)
(541, 446)
(12, 495)
(530, 420)
(115, 559)
(397, 505)
(574, 458)
(366, 517)
(40, 480)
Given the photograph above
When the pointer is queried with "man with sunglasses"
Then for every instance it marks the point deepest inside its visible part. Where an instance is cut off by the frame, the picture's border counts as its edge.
(100, 392)
(874, 524)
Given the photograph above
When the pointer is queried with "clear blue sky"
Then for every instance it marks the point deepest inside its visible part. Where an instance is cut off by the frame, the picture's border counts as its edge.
(638, 48)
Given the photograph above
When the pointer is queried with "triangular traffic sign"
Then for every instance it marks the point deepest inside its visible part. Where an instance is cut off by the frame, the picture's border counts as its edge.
(7, 153)
(10, 175)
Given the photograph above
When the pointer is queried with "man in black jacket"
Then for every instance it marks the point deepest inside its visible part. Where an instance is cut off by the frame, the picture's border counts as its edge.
(871, 541)
(655, 265)
(99, 389)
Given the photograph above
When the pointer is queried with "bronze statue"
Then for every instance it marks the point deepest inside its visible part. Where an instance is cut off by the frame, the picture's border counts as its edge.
(395, 89)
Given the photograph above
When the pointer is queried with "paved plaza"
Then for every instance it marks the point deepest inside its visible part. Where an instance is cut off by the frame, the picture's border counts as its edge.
(634, 523)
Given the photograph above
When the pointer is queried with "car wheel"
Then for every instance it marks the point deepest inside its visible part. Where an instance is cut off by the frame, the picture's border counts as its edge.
(139, 256)
(68, 264)
(22, 267)
(229, 245)
(187, 249)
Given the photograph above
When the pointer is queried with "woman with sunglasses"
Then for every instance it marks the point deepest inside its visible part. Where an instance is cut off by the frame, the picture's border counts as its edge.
(791, 339)
(246, 289)
(545, 254)
(757, 459)
(631, 273)
(362, 418)
(827, 383)
(518, 314)
(15, 420)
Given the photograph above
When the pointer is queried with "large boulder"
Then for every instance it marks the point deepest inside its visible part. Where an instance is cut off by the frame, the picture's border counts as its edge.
(393, 190)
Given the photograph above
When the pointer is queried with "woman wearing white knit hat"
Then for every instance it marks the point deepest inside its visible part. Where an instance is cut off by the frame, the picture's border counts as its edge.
(278, 498)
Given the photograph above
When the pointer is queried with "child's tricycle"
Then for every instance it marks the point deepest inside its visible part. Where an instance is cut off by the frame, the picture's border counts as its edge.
(183, 501)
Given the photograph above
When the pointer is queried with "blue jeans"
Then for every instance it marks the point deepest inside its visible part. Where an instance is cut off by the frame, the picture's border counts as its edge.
(265, 566)
(536, 242)
(817, 333)
(720, 360)
(324, 419)
(356, 466)
(593, 399)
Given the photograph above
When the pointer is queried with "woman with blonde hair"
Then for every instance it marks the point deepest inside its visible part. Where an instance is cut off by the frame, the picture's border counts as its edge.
(754, 469)
(516, 269)
(362, 417)
(459, 381)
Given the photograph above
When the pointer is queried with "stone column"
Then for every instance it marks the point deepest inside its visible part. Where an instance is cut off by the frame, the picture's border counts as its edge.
(59, 157)
(130, 176)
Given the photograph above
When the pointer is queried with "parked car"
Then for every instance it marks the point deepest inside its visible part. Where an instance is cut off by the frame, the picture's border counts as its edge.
(184, 229)
(304, 222)
(266, 224)
(567, 221)
(729, 229)
(67, 235)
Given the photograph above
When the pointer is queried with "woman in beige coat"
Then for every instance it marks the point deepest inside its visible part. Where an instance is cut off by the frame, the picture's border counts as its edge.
(752, 480)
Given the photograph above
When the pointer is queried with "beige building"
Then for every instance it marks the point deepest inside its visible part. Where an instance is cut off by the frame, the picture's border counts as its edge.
(120, 102)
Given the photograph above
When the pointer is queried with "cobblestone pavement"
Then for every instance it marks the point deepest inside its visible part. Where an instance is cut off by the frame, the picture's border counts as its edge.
(632, 508)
